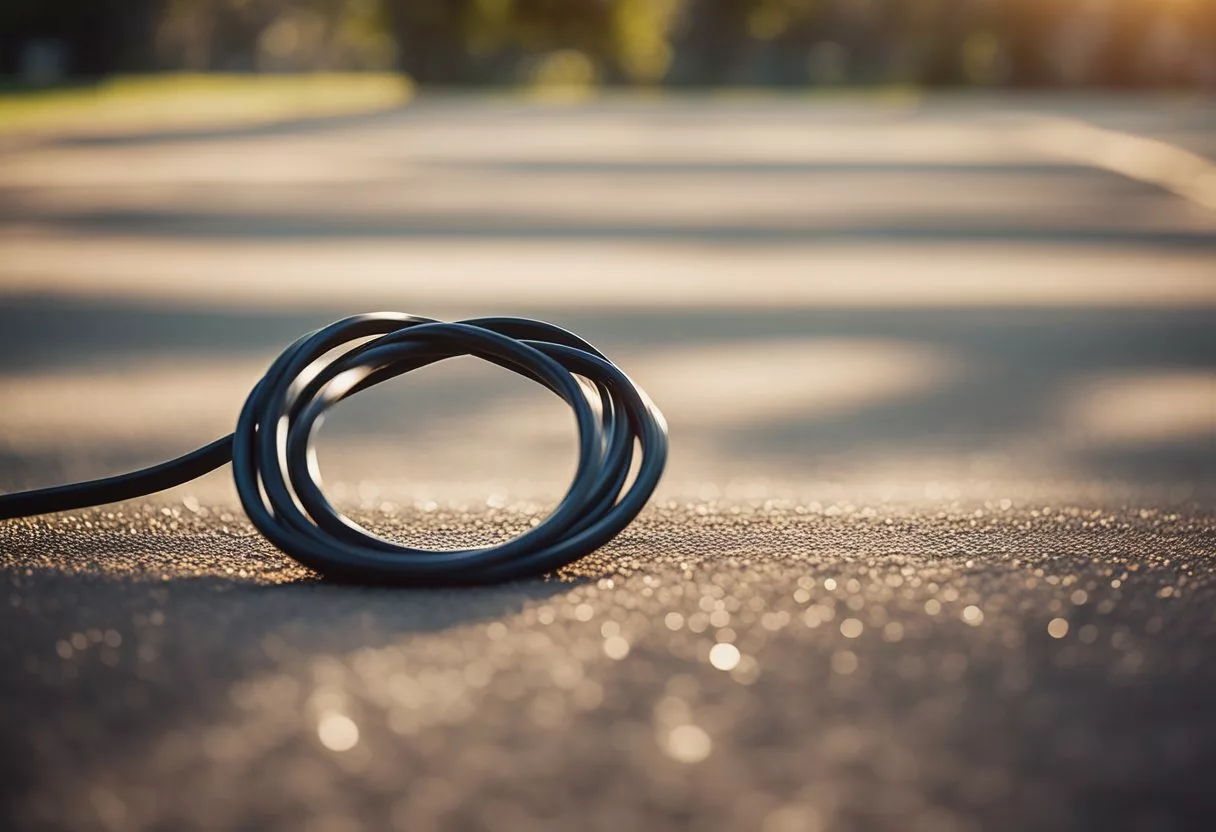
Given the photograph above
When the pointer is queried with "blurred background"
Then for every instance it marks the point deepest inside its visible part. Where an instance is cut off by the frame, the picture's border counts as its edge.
(890, 243)
(1113, 43)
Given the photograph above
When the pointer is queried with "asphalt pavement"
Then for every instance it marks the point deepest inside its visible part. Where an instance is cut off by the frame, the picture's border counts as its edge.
(936, 545)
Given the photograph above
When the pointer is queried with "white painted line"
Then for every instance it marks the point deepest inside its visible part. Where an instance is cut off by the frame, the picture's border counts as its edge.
(1168, 166)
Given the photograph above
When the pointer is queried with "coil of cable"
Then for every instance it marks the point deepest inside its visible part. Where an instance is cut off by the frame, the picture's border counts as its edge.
(273, 458)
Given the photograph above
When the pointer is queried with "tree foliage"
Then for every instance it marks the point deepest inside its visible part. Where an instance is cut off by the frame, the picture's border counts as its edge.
(793, 42)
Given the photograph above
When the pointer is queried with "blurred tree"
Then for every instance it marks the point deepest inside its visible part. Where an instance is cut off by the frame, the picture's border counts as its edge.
(274, 35)
(430, 37)
(642, 38)
(95, 37)
(712, 43)
(465, 41)
(1026, 43)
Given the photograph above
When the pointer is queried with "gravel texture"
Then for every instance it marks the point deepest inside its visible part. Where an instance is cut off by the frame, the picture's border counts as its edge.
(749, 664)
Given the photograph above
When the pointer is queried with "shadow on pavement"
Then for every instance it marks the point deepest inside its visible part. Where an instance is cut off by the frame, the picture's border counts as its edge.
(1017, 369)
(227, 227)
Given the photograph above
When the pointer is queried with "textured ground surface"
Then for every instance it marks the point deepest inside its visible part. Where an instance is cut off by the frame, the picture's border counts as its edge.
(937, 546)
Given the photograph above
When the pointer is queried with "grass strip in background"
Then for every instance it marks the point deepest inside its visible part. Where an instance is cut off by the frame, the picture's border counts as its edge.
(166, 102)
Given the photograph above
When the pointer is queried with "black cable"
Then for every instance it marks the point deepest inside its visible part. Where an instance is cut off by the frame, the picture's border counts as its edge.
(274, 465)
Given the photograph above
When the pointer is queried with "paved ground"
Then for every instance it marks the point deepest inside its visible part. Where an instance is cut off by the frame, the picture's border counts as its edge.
(935, 549)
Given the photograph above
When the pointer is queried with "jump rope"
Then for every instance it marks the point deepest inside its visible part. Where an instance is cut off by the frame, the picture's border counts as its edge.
(278, 481)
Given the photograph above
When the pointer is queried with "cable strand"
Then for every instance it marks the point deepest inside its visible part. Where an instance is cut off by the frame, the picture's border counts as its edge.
(273, 458)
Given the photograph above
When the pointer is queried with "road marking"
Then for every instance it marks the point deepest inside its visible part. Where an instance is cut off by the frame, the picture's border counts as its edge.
(1168, 166)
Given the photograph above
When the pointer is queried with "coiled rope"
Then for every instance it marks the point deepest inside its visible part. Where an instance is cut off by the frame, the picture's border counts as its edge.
(277, 478)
